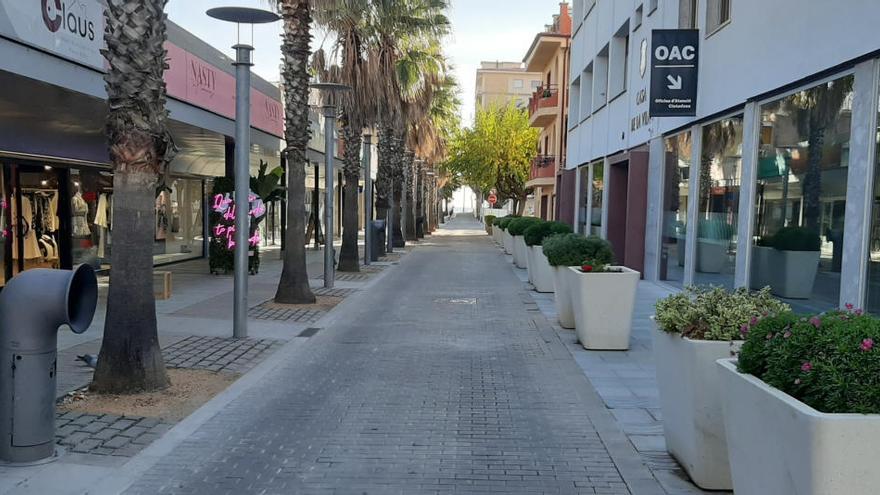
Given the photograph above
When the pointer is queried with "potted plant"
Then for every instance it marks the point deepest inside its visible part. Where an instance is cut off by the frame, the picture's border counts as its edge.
(712, 245)
(763, 263)
(695, 328)
(489, 221)
(796, 262)
(540, 271)
(563, 251)
(506, 238)
(603, 297)
(516, 228)
(802, 405)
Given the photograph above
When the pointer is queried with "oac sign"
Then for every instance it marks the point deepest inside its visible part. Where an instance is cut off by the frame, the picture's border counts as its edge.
(72, 29)
(674, 63)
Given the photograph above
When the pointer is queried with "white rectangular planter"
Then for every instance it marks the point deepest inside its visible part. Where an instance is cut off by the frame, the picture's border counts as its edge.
(690, 397)
(763, 265)
(519, 251)
(564, 310)
(794, 273)
(711, 255)
(779, 445)
(603, 307)
(540, 270)
(507, 242)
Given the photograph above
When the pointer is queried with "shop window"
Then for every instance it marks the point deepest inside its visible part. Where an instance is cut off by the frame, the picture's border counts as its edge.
(717, 14)
(718, 202)
(91, 203)
(675, 206)
(597, 201)
(179, 221)
(801, 188)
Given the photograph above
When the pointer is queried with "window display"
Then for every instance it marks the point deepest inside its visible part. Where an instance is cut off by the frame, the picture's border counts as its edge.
(718, 207)
(800, 198)
(675, 206)
(597, 205)
(91, 209)
(179, 221)
(34, 216)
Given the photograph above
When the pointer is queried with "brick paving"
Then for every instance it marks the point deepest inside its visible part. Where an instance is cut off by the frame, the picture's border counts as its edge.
(106, 434)
(218, 353)
(437, 380)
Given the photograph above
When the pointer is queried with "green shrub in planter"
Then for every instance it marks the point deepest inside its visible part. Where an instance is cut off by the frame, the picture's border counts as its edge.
(489, 222)
(796, 239)
(519, 225)
(574, 249)
(504, 222)
(534, 235)
(714, 313)
(830, 362)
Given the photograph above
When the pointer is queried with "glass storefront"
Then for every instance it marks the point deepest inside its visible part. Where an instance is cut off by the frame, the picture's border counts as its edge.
(675, 206)
(800, 199)
(597, 203)
(179, 221)
(718, 202)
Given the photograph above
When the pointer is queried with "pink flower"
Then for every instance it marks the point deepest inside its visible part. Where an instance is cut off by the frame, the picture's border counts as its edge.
(807, 367)
(816, 322)
(753, 321)
(769, 335)
(787, 334)
(867, 345)
(744, 330)
(849, 306)
(858, 312)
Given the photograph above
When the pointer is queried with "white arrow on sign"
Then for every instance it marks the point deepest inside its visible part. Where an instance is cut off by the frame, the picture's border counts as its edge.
(674, 82)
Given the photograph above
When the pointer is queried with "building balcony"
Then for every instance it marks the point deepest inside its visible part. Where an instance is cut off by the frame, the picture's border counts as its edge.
(543, 167)
(544, 106)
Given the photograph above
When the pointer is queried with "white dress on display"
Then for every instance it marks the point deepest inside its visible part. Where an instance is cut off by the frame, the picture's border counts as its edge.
(80, 211)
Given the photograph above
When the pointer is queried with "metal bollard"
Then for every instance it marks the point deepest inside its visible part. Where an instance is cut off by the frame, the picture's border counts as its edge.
(28, 352)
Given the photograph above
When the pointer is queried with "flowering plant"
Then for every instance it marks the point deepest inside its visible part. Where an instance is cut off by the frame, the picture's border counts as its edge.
(713, 313)
(593, 265)
(830, 361)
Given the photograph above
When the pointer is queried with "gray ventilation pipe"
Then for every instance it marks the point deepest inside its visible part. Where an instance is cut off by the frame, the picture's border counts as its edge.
(33, 305)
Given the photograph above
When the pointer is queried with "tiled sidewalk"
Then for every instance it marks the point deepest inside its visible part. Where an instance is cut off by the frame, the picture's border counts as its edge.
(627, 383)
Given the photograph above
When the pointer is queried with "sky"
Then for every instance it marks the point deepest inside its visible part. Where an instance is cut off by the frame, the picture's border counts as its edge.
(487, 30)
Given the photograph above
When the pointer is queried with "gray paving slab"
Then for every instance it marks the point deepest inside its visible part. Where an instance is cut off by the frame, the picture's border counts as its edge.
(438, 379)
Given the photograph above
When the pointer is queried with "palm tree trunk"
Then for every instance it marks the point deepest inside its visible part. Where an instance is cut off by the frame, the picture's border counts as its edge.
(130, 359)
(349, 260)
(409, 168)
(397, 161)
(812, 185)
(293, 288)
(385, 174)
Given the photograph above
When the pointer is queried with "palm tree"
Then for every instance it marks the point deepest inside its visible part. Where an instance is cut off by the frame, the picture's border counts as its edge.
(293, 288)
(141, 147)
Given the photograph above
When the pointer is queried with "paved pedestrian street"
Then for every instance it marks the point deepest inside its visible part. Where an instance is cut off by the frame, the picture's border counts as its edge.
(438, 379)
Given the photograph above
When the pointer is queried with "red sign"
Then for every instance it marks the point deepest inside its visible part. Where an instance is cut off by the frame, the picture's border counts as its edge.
(493, 199)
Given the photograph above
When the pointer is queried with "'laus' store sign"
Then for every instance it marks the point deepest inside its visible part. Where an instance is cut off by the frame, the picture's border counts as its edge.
(74, 30)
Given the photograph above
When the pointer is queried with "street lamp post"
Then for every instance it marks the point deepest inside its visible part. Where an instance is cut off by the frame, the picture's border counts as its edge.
(368, 199)
(242, 15)
(329, 89)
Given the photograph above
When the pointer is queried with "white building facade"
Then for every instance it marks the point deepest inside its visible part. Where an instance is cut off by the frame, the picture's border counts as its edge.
(783, 146)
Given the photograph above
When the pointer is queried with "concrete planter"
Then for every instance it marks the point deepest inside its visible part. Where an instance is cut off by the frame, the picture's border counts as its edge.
(763, 265)
(680, 243)
(519, 251)
(564, 309)
(794, 273)
(778, 444)
(603, 307)
(507, 242)
(711, 255)
(690, 397)
(540, 270)
(496, 236)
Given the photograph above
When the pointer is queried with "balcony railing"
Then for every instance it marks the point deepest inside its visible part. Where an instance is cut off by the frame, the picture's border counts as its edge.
(543, 167)
(544, 97)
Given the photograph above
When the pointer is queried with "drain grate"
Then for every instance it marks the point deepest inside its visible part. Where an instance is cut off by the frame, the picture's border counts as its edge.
(309, 332)
(456, 300)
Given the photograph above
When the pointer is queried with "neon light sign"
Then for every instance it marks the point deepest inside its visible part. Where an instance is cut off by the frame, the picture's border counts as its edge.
(224, 204)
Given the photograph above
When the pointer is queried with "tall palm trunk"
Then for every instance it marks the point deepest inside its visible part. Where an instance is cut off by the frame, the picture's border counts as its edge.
(812, 183)
(349, 260)
(130, 359)
(409, 169)
(293, 288)
(385, 173)
(420, 202)
(397, 195)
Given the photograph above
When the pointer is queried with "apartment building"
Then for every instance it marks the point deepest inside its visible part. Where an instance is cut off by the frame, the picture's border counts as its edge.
(548, 111)
(499, 83)
(784, 137)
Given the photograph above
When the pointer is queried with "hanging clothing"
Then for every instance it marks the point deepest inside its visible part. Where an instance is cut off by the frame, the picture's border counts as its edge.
(102, 219)
(24, 220)
(161, 217)
(80, 212)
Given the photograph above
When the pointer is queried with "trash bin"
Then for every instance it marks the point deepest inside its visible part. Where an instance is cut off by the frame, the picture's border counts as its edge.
(377, 240)
(28, 352)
